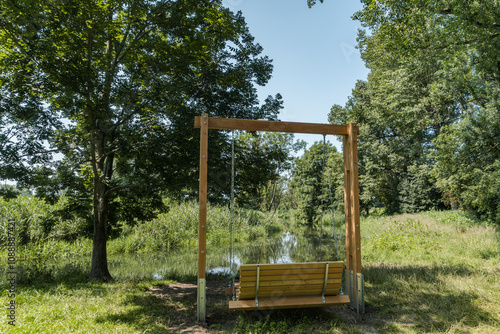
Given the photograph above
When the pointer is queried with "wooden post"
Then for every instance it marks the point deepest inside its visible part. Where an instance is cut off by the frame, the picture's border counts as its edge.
(355, 216)
(347, 209)
(202, 224)
(353, 237)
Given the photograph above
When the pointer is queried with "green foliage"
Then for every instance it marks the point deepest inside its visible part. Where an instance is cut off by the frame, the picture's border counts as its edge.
(179, 228)
(24, 128)
(261, 327)
(417, 192)
(458, 218)
(261, 162)
(36, 221)
(310, 181)
(114, 87)
(43, 230)
(468, 163)
(405, 236)
(433, 65)
(311, 3)
(9, 192)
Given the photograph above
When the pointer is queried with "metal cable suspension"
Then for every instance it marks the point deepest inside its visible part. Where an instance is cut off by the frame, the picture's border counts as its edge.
(232, 214)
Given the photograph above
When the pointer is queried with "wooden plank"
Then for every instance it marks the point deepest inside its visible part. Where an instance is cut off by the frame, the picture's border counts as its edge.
(286, 272)
(290, 302)
(292, 266)
(290, 282)
(273, 126)
(319, 269)
(284, 277)
(288, 293)
(303, 290)
(290, 287)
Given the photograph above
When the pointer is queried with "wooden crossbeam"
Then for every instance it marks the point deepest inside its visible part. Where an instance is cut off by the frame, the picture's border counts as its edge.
(272, 126)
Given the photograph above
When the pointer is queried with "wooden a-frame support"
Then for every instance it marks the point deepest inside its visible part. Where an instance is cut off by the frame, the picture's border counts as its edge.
(351, 194)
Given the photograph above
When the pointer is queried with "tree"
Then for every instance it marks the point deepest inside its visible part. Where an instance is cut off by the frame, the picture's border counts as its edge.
(310, 180)
(468, 163)
(262, 161)
(398, 116)
(432, 63)
(125, 78)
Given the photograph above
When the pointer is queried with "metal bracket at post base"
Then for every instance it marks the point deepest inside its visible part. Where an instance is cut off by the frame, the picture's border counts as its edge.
(202, 301)
(359, 303)
(351, 289)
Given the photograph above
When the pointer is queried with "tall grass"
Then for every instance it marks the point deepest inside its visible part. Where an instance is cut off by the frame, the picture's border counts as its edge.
(179, 228)
(433, 272)
(42, 232)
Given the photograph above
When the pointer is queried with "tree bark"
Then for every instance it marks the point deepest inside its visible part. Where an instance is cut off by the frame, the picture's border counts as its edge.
(99, 267)
(272, 198)
(103, 168)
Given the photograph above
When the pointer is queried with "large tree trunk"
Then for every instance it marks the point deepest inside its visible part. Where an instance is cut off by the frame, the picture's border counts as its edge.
(103, 169)
(99, 267)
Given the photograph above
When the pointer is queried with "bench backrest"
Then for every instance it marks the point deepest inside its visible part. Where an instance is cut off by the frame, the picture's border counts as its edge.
(290, 279)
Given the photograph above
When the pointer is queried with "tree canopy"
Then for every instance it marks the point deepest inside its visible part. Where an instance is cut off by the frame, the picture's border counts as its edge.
(434, 73)
(119, 82)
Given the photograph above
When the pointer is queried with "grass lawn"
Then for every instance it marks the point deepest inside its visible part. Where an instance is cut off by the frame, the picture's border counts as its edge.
(435, 272)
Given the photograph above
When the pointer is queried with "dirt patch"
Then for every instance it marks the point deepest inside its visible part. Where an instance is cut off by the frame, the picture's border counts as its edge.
(183, 297)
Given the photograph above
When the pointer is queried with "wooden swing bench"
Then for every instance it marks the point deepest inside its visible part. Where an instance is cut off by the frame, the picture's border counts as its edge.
(270, 286)
(289, 285)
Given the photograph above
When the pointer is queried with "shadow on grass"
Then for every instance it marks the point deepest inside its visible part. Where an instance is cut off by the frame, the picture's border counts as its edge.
(165, 309)
(149, 313)
(41, 272)
(173, 308)
(423, 298)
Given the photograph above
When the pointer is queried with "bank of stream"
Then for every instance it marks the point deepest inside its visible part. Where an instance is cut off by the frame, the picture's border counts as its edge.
(181, 263)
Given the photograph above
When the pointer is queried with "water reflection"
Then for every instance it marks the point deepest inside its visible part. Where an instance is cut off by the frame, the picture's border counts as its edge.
(182, 263)
(287, 248)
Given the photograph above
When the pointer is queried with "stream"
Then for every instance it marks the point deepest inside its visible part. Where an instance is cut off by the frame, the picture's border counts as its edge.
(182, 263)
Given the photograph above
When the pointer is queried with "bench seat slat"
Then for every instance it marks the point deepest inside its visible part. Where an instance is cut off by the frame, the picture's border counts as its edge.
(293, 266)
(289, 275)
(287, 293)
(289, 282)
(291, 302)
(290, 287)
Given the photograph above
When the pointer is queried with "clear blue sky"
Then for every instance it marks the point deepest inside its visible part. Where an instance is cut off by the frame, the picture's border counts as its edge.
(315, 60)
